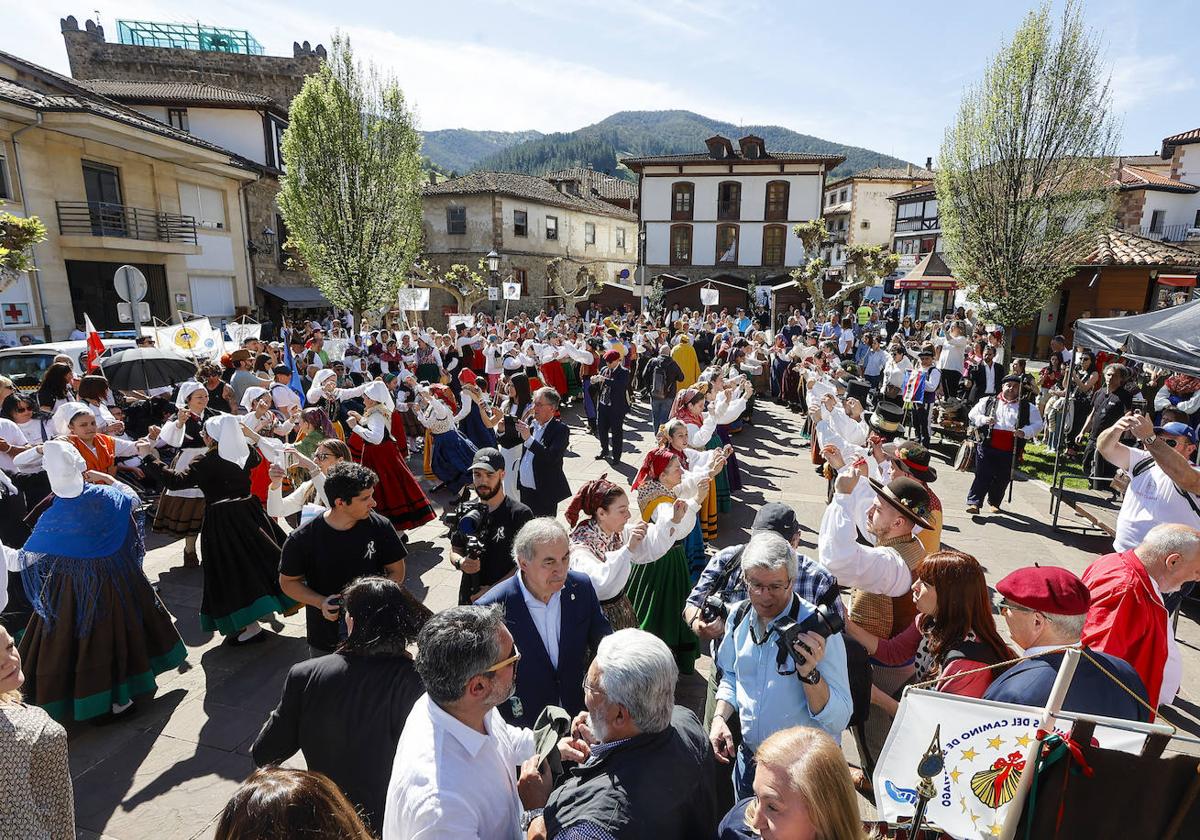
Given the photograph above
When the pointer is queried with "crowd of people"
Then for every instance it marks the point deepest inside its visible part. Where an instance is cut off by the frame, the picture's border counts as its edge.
(543, 705)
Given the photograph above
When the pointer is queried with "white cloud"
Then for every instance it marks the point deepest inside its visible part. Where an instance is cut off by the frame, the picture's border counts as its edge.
(1137, 79)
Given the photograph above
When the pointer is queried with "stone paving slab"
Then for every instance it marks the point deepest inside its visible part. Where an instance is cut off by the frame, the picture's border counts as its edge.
(168, 772)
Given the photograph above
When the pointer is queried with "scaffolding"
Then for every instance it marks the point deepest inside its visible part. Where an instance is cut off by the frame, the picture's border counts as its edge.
(187, 36)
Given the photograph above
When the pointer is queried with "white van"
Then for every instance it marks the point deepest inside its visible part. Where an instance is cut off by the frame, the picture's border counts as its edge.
(25, 365)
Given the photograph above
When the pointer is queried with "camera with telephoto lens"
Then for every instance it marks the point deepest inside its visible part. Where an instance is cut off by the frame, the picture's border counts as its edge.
(713, 608)
(825, 621)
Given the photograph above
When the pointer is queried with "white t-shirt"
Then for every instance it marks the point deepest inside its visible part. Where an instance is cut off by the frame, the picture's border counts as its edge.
(1150, 500)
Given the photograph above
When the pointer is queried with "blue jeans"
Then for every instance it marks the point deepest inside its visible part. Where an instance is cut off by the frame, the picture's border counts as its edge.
(660, 411)
(743, 773)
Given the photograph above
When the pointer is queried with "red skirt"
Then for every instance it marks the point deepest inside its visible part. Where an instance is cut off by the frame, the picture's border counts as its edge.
(260, 479)
(398, 432)
(555, 377)
(397, 495)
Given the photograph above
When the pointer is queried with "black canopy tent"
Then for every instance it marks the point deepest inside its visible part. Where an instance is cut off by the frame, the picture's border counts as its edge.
(1166, 338)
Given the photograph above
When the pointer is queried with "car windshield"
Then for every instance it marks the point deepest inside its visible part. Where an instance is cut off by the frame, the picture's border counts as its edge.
(25, 369)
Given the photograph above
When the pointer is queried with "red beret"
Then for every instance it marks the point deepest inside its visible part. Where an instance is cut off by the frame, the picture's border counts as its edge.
(612, 356)
(1046, 589)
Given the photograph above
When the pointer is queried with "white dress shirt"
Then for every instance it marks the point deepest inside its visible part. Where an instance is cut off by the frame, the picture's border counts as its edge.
(877, 569)
(450, 782)
(547, 618)
(536, 430)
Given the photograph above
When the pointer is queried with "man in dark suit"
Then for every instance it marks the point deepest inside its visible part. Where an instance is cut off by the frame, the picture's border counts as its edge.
(986, 376)
(555, 620)
(613, 406)
(1045, 607)
(540, 477)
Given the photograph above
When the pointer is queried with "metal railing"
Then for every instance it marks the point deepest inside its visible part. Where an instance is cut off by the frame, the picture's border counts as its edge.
(729, 209)
(917, 223)
(837, 236)
(1164, 233)
(102, 218)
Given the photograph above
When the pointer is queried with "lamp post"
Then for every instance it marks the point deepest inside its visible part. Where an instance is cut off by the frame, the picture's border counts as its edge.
(493, 267)
(642, 264)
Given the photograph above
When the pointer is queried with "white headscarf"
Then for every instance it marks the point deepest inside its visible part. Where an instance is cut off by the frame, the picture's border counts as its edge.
(65, 413)
(64, 467)
(226, 430)
(379, 392)
(186, 389)
(251, 394)
(316, 391)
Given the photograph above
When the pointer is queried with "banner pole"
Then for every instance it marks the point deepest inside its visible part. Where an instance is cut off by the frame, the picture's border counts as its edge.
(1066, 671)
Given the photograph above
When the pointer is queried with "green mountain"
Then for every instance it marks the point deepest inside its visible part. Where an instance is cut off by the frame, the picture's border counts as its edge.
(459, 149)
(631, 133)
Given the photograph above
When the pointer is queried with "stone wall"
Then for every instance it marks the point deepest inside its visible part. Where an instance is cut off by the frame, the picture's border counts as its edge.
(279, 77)
(262, 212)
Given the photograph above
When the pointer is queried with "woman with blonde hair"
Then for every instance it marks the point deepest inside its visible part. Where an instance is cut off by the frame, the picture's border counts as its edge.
(802, 791)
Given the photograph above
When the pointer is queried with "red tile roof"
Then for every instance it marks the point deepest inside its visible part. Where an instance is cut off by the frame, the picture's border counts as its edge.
(1138, 178)
(1181, 139)
(1118, 247)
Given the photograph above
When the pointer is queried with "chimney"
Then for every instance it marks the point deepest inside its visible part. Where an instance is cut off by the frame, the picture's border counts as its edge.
(929, 163)
(908, 169)
(432, 178)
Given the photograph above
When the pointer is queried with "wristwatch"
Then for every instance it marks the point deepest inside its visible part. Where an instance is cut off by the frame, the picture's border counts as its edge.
(813, 677)
(1147, 441)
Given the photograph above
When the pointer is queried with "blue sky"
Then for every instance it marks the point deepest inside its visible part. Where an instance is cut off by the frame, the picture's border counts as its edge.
(879, 74)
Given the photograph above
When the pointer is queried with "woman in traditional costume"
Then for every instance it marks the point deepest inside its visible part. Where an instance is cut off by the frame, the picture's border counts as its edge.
(429, 360)
(701, 427)
(398, 496)
(727, 405)
(606, 546)
(518, 402)
(551, 368)
(240, 543)
(325, 394)
(259, 418)
(674, 435)
(447, 452)
(99, 634)
(477, 418)
(181, 512)
(658, 590)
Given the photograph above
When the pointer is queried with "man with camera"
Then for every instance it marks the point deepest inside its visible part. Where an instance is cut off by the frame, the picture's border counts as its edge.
(324, 554)
(482, 532)
(800, 679)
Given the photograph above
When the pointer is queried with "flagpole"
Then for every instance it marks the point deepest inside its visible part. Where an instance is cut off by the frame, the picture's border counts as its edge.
(1066, 671)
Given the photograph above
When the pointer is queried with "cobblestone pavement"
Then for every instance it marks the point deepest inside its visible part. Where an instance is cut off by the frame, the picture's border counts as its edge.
(168, 772)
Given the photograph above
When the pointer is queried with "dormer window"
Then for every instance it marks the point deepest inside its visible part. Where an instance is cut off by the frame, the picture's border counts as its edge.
(752, 147)
(719, 147)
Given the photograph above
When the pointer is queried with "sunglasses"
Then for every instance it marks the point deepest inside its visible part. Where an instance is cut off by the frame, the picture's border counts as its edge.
(504, 663)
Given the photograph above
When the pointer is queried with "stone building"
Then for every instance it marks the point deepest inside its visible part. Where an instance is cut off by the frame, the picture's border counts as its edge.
(858, 211)
(114, 187)
(528, 222)
(230, 95)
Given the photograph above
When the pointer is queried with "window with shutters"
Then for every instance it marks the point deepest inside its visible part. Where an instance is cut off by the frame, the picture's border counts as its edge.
(620, 239)
(178, 118)
(204, 204)
(589, 233)
(774, 244)
(777, 201)
(681, 244)
(682, 193)
(456, 221)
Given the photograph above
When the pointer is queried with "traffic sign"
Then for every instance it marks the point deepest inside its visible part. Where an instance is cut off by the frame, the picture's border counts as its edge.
(125, 312)
(130, 283)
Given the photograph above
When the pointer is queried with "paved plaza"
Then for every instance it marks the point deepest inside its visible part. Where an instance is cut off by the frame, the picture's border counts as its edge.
(166, 773)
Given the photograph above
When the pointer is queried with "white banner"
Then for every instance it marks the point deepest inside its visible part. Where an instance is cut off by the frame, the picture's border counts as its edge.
(336, 348)
(512, 291)
(984, 744)
(191, 338)
(239, 332)
(462, 320)
(493, 293)
(413, 300)
(710, 297)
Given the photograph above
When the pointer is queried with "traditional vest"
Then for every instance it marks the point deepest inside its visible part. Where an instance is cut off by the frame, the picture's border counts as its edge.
(103, 459)
(881, 615)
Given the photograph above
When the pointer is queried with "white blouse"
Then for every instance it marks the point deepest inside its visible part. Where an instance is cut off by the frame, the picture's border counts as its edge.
(610, 573)
(279, 505)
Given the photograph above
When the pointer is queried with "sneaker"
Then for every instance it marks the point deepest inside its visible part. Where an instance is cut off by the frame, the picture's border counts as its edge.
(972, 508)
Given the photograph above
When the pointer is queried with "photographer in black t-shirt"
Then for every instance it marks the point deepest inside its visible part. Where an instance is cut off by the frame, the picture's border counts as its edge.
(345, 542)
(502, 518)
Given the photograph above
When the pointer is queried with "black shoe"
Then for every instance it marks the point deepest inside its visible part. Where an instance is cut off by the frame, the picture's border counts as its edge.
(615, 461)
(260, 636)
(603, 456)
(109, 718)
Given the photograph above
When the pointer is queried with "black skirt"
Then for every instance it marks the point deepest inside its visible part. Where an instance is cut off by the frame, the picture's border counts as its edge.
(240, 547)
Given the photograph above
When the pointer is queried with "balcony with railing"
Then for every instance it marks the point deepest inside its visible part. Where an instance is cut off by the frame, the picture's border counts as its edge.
(838, 237)
(1166, 233)
(122, 226)
(916, 223)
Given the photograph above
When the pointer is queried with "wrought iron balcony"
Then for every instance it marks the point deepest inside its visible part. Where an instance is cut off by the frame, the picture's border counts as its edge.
(837, 237)
(1164, 233)
(101, 218)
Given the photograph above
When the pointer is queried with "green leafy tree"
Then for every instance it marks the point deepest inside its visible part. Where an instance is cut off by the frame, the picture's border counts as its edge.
(351, 194)
(865, 264)
(1024, 176)
(18, 235)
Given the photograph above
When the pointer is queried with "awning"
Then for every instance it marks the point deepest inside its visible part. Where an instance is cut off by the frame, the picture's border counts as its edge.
(1166, 338)
(300, 297)
(1182, 281)
(930, 273)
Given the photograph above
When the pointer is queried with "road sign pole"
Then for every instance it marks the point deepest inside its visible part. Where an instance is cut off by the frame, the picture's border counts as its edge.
(134, 306)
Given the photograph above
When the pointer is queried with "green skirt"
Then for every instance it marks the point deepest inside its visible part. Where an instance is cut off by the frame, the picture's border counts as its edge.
(724, 503)
(429, 372)
(574, 386)
(658, 592)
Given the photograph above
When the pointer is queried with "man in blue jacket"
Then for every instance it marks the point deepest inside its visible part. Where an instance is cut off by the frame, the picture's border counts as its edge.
(555, 620)
(1045, 607)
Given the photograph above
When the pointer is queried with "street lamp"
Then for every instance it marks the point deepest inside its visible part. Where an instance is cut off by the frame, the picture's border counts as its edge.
(493, 267)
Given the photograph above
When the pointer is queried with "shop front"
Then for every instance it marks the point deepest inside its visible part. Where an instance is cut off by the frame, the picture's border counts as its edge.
(928, 290)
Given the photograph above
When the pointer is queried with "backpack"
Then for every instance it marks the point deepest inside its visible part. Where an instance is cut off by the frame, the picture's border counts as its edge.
(658, 380)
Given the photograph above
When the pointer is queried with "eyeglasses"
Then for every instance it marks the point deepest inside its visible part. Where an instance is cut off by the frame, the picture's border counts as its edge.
(589, 687)
(504, 663)
(773, 588)
(1011, 607)
(321, 456)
